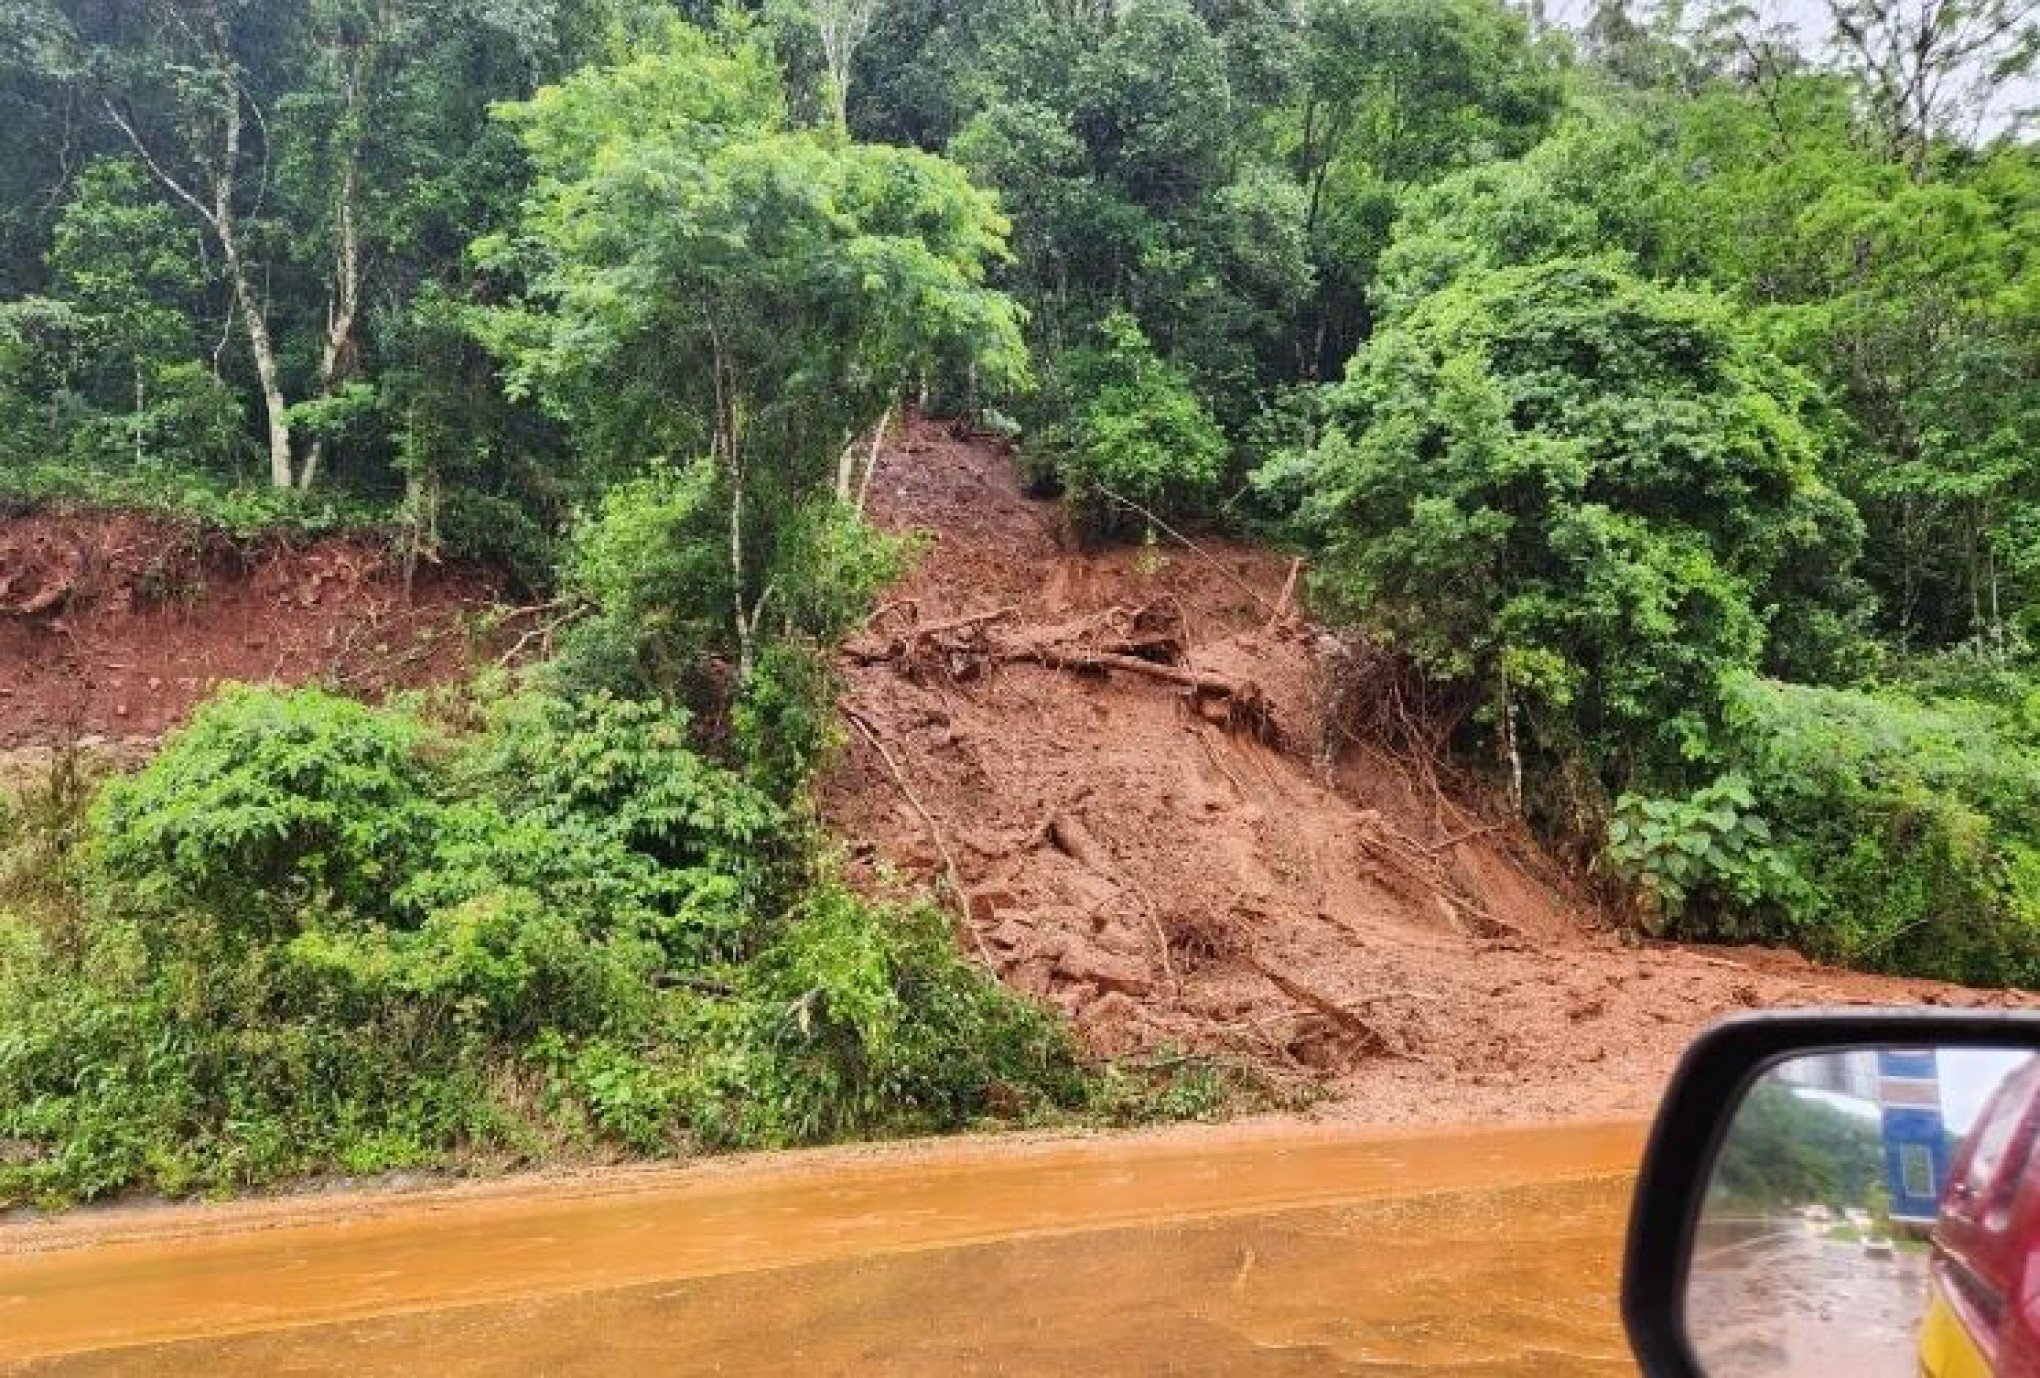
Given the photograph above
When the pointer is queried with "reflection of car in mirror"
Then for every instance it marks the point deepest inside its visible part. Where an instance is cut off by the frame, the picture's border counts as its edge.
(1983, 1311)
(1838, 1193)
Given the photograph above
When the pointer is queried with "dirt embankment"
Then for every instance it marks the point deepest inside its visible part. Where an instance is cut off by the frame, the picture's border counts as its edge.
(112, 627)
(1116, 757)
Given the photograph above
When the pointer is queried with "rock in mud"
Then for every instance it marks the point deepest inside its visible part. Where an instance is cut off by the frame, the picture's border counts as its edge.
(1083, 960)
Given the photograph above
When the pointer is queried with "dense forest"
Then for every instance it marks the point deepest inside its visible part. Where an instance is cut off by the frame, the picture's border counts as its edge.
(1661, 392)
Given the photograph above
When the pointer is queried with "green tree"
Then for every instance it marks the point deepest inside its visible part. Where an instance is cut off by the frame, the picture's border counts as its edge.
(1395, 93)
(701, 282)
(1582, 498)
(1785, 1150)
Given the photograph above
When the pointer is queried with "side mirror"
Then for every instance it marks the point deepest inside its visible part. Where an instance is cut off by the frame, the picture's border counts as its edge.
(1843, 1193)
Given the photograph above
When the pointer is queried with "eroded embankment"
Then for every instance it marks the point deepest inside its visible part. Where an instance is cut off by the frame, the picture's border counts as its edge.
(113, 626)
(1159, 848)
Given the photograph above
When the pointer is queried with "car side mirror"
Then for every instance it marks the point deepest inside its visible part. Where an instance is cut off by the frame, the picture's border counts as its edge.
(1843, 1193)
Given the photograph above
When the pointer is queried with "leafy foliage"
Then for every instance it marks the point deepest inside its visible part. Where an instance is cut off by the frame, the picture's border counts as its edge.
(312, 935)
(1138, 433)
(705, 287)
(1911, 821)
(1581, 497)
(1702, 863)
(1785, 1150)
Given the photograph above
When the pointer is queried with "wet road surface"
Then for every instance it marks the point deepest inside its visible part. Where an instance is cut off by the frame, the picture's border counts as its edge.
(1781, 1300)
(1217, 1252)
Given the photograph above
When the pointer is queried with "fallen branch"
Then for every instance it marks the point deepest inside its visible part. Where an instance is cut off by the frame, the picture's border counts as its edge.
(906, 790)
(1199, 551)
(1432, 849)
(542, 633)
(1282, 601)
(1325, 1005)
(958, 624)
(910, 648)
(1203, 681)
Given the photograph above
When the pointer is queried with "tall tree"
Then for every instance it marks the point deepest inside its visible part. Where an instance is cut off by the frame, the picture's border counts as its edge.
(709, 288)
(176, 86)
(1934, 66)
(842, 26)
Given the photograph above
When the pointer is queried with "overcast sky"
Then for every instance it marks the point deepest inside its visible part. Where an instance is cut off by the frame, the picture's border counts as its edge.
(1810, 18)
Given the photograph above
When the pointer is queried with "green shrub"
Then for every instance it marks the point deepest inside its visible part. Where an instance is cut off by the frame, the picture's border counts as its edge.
(267, 804)
(1704, 865)
(182, 494)
(315, 936)
(1579, 499)
(1915, 825)
(864, 1018)
(652, 567)
(1137, 431)
(651, 561)
(784, 726)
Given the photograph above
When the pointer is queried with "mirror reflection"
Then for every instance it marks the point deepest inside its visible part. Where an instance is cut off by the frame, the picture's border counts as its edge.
(1875, 1213)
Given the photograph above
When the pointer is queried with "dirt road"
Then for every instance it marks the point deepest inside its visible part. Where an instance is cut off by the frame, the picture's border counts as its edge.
(1235, 1250)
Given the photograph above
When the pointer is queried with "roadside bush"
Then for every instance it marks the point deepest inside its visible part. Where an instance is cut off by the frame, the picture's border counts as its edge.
(1703, 866)
(269, 804)
(864, 1017)
(651, 566)
(315, 936)
(652, 563)
(1579, 499)
(1912, 823)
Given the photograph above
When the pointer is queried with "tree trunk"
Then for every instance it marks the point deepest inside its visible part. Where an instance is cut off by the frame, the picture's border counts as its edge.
(745, 653)
(276, 410)
(335, 353)
(226, 227)
(221, 218)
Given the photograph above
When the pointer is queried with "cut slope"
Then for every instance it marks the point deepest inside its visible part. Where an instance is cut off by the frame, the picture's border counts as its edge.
(113, 626)
(1134, 852)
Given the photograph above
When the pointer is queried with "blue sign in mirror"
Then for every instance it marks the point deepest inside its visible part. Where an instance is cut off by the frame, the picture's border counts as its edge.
(1874, 1213)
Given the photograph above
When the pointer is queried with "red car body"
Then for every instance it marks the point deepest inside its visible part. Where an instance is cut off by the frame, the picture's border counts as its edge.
(1985, 1311)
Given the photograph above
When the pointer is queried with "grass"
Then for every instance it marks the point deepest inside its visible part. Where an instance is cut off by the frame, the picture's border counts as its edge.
(193, 496)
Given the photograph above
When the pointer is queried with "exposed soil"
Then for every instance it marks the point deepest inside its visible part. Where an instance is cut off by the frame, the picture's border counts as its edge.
(1116, 757)
(113, 626)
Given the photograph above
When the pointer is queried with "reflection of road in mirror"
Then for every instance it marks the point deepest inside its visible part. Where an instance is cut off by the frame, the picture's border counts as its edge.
(1789, 1298)
(1844, 1179)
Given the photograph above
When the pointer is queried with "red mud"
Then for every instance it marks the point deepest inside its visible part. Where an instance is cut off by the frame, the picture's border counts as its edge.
(1175, 882)
(113, 626)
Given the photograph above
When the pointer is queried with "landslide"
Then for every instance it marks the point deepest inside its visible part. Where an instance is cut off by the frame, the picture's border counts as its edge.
(1119, 758)
(114, 625)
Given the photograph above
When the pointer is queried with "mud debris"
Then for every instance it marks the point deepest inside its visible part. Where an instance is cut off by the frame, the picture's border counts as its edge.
(1180, 879)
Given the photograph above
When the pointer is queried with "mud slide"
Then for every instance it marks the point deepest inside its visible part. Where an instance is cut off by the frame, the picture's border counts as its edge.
(112, 627)
(1116, 758)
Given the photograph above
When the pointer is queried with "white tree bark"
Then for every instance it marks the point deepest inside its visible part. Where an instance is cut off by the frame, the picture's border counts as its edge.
(218, 213)
(842, 25)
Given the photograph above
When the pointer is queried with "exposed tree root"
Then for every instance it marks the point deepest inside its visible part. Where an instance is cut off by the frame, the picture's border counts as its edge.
(1147, 642)
(1370, 1036)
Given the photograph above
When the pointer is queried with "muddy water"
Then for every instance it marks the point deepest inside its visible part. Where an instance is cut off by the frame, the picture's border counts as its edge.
(1218, 1252)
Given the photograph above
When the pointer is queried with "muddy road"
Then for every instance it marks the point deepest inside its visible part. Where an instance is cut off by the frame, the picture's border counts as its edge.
(1234, 1250)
